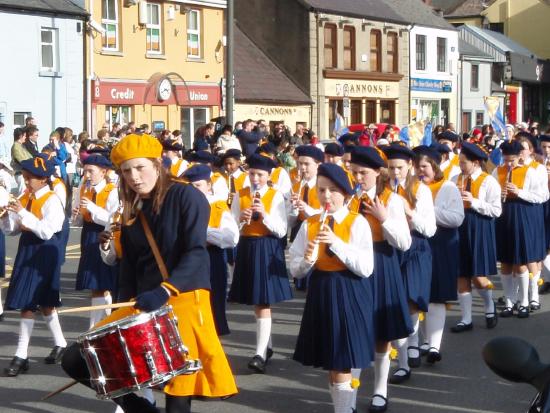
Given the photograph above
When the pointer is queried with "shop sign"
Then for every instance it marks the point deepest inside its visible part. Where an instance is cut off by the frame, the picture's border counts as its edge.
(366, 88)
(431, 85)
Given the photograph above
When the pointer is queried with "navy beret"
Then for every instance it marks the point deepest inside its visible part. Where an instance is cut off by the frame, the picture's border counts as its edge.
(349, 137)
(171, 146)
(337, 175)
(349, 148)
(544, 138)
(448, 136)
(398, 150)
(473, 152)
(268, 148)
(38, 166)
(100, 150)
(441, 148)
(334, 149)
(511, 148)
(257, 161)
(202, 157)
(232, 153)
(311, 151)
(98, 160)
(429, 152)
(197, 173)
(368, 157)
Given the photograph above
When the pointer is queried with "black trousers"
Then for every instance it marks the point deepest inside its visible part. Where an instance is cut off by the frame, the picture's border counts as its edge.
(75, 366)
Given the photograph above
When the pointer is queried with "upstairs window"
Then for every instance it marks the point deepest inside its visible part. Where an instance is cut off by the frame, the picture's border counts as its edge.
(392, 54)
(349, 48)
(48, 49)
(153, 27)
(193, 34)
(330, 52)
(420, 52)
(109, 22)
(441, 54)
(375, 51)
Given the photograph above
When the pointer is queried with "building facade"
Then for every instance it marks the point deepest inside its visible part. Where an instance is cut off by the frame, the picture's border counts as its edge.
(159, 63)
(49, 56)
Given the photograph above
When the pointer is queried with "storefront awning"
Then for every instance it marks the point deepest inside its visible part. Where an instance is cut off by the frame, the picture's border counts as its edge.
(525, 68)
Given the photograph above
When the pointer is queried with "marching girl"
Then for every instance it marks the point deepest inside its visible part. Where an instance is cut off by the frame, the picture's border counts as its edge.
(260, 277)
(38, 215)
(385, 212)
(481, 198)
(172, 154)
(219, 184)
(222, 233)
(336, 332)
(519, 242)
(416, 262)
(236, 178)
(449, 165)
(449, 214)
(177, 216)
(526, 155)
(97, 201)
(6, 183)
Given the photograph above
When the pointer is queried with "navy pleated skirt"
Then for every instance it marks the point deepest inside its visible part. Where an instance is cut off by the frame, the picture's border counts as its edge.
(64, 239)
(445, 257)
(391, 309)
(260, 276)
(218, 293)
(416, 269)
(519, 240)
(93, 273)
(478, 255)
(35, 280)
(2, 255)
(546, 207)
(337, 331)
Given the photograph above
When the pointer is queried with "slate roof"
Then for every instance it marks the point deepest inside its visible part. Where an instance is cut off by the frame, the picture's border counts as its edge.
(369, 9)
(446, 5)
(466, 9)
(417, 12)
(49, 6)
(498, 40)
(258, 79)
(469, 50)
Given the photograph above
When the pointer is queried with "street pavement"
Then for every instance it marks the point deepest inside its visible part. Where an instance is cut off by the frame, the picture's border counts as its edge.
(460, 383)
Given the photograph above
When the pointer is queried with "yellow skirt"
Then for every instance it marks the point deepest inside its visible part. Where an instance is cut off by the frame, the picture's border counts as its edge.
(198, 333)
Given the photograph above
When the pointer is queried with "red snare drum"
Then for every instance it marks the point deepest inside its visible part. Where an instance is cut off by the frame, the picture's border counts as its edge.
(139, 351)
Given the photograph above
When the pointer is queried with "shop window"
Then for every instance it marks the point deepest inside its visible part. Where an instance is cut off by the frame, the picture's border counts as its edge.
(194, 34)
(441, 54)
(474, 78)
(387, 111)
(375, 50)
(48, 46)
(427, 110)
(330, 43)
(118, 114)
(392, 54)
(479, 118)
(349, 48)
(371, 112)
(19, 118)
(336, 121)
(191, 120)
(153, 28)
(420, 52)
(355, 111)
(109, 22)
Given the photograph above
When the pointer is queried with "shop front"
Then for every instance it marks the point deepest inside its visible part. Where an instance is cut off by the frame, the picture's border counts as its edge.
(433, 100)
(290, 115)
(162, 103)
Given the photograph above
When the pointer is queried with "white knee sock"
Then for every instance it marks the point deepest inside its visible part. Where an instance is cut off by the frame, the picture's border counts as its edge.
(25, 330)
(515, 288)
(413, 338)
(355, 374)
(422, 333)
(381, 372)
(97, 315)
(342, 395)
(523, 296)
(507, 286)
(534, 287)
(487, 296)
(435, 324)
(402, 357)
(263, 331)
(52, 321)
(465, 300)
(546, 267)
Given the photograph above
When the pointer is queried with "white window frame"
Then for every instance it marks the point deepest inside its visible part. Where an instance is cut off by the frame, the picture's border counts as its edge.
(25, 116)
(109, 111)
(53, 45)
(151, 26)
(443, 58)
(109, 21)
(188, 140)
(196, 31)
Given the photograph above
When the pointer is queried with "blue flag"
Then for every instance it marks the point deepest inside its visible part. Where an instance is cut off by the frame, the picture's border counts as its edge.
(404, 134)
(427, 139)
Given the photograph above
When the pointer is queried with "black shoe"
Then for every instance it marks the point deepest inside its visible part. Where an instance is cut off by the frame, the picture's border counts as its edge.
(491, 322)
(133, 403)
(433, 356)
(414, 362)
(376, 409)
(55, 355)
(398, 378)
(523, 312)
(257, 364)
(461, 327)
(424, 348)
(533, 305)
(17, 365)
(507, 312)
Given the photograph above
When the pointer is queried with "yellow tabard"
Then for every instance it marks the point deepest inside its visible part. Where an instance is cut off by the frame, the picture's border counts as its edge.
(375, 225)
(100, 200)
(474, 189)
(255, 228)
(217, 208)
(312, 199)
(435, 187)
(517, 177)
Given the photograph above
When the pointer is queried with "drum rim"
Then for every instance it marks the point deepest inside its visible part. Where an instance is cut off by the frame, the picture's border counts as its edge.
(124, 323)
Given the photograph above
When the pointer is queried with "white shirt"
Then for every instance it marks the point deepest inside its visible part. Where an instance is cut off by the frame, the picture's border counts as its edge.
(227, 235)
(488, 201)
(275, 221)
(53, 215)
(543, 184)
(284, 185)
(99, 215)
(61, 193)
(357, 255)
(448, 206)
(455, 170)
(423, 219)
(71, 166)
(309, 211)
(220, 189)
(533, 190)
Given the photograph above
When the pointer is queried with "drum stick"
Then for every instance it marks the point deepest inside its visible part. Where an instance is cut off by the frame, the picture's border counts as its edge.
(97, 307)
(60, 390)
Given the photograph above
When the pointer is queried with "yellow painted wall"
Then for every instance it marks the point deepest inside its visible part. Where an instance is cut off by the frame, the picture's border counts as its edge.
(471, 21)
(525, 21)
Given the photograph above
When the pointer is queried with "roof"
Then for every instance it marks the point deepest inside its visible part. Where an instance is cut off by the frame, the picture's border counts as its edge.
(468, 50)
(417, 12)
(466, 8)
(498, 40)
(445, 5)
(46, 6)
(371, 9)
(257, 79)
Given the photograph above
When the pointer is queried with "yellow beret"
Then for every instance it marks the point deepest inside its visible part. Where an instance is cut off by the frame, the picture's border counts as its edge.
(135, 146)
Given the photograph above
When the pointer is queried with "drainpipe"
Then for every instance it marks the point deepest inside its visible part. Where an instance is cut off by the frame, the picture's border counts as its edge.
(90, 73)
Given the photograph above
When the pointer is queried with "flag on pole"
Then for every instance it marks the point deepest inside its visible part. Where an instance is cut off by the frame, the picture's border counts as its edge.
(427, 139)
(492, 104)
(404, 134)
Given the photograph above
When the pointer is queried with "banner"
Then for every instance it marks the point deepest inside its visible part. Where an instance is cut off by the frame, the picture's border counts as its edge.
(492, 104)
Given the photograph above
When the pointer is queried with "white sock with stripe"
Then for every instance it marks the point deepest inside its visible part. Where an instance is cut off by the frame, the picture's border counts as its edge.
(263, 332)
(465, 301)
(25, 330)
(435, 324)
(52, 321)
(523, 295)
(355, 374)
(342, 395)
